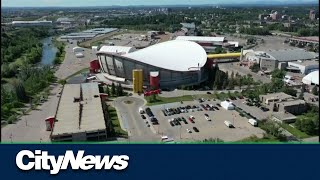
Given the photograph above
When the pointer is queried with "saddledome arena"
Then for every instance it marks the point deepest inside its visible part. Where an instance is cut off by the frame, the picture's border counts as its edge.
(175, 63)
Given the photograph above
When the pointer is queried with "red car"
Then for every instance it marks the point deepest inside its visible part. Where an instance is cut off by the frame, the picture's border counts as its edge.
(191, 120)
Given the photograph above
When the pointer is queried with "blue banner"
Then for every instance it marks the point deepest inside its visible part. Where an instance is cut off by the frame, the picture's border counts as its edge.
(203, 161)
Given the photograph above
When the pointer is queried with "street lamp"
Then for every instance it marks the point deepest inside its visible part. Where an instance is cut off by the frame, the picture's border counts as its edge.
(180, 131)
(11, 137)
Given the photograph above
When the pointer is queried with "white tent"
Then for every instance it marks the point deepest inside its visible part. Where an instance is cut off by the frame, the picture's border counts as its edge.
(311, 78)
(227, 105)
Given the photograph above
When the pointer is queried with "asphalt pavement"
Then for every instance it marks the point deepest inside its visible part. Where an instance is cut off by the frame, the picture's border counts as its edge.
(32, 127)
(131, 121)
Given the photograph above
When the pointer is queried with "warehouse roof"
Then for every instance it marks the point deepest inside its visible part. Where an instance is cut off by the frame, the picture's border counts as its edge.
(280, 95)
(311, 78)
(282, 116)
(201, 38)
(173, 55)
(116, 49)
(291, 54)
(293, 102)
(306, 63)
(68, 116)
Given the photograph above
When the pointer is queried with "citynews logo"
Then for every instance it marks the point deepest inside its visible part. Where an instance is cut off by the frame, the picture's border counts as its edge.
(40, 160)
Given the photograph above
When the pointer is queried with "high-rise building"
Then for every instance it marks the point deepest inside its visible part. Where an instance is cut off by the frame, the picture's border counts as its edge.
(312, 14)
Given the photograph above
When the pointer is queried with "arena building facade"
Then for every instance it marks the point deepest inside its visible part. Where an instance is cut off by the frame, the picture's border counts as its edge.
(177, 62)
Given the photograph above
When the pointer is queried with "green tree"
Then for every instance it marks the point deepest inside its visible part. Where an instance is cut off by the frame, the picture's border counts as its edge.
(19, 89)
(255, 67)
(289, 90)
(107, 90)
(315, 90)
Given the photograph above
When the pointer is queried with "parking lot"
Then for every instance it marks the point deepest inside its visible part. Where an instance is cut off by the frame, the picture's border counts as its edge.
(207, 129)
(131, 40)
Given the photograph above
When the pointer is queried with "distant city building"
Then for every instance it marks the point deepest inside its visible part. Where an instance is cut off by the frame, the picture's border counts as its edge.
(31, 23)
(275, 16)
(312, 14)
(284, 17)
(263, 16)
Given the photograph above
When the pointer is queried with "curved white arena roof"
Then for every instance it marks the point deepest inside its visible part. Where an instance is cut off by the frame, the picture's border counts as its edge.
(116, 49)
(312, 77)
(176, 55)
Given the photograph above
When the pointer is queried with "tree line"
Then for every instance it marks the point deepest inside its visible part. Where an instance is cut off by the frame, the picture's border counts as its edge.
(22, 89)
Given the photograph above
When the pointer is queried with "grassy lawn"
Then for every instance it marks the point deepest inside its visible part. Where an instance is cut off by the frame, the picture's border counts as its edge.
(163, 100)
(296, 132)
(115, 122)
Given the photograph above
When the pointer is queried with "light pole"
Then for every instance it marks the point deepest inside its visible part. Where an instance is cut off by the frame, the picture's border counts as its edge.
(180, 131)
(11, 137)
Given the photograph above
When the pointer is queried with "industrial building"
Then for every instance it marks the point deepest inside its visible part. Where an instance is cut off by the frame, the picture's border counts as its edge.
(210, 43)
(79, 114)
(176, 63)
(277, 59)
(304, 67)
(283, 117)
(281, 102)
(31, 23)
(88, 34)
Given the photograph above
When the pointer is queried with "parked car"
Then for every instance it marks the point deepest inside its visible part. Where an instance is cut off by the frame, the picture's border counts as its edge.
(206, 115)
(143, 117)
(189, 131)
(218, 104)
(195, 129)
(264, 109)
(192, 117)
(208, 92)
(191, 120)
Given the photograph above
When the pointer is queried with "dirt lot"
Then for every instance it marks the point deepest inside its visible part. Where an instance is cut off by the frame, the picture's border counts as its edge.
(208, 129)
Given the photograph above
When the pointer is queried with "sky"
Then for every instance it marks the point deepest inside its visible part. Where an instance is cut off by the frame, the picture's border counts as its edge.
(77, 3)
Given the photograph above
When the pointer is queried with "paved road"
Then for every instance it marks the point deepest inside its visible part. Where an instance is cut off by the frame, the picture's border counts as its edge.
(312, 139)
(131, 120)
(31, 127)
(71, 63)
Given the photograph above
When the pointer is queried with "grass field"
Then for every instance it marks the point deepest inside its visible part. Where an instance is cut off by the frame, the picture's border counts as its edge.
(296, 132)
(163, 100)
(115, 122)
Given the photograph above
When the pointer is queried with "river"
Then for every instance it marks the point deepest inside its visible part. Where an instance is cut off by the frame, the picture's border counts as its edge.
(48, 51)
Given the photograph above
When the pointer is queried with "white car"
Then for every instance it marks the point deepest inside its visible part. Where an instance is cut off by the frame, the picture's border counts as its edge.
(207, 118)
(191, 117)
(188, 130)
